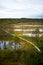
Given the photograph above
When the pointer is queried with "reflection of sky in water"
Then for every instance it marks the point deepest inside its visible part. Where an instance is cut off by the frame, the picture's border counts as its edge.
(2, 44)
(28, 30)
(33, 35)
(25, 34)
(7, 44)
(41, 30)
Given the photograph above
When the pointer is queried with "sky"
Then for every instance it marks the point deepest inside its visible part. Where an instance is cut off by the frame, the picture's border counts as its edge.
(21, 8)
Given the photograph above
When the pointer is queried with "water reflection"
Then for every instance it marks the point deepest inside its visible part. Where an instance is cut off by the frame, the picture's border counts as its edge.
(9, 45)
(31, 35)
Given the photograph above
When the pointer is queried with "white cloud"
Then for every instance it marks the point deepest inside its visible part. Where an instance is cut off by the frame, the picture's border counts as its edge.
(21, 8)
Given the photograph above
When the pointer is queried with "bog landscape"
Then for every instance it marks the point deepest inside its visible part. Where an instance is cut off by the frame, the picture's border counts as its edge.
(21, 41)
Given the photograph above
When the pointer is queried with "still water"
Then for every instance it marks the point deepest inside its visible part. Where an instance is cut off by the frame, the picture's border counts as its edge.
(9, 45)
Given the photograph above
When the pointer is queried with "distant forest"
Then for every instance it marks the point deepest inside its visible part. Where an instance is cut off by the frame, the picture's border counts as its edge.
(22, 20)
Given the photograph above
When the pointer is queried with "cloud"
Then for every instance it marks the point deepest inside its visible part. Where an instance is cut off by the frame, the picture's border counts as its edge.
(21, 8)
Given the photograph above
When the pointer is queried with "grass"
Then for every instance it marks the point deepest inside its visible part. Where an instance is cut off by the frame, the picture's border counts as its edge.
(21, 56)
(26, 56)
